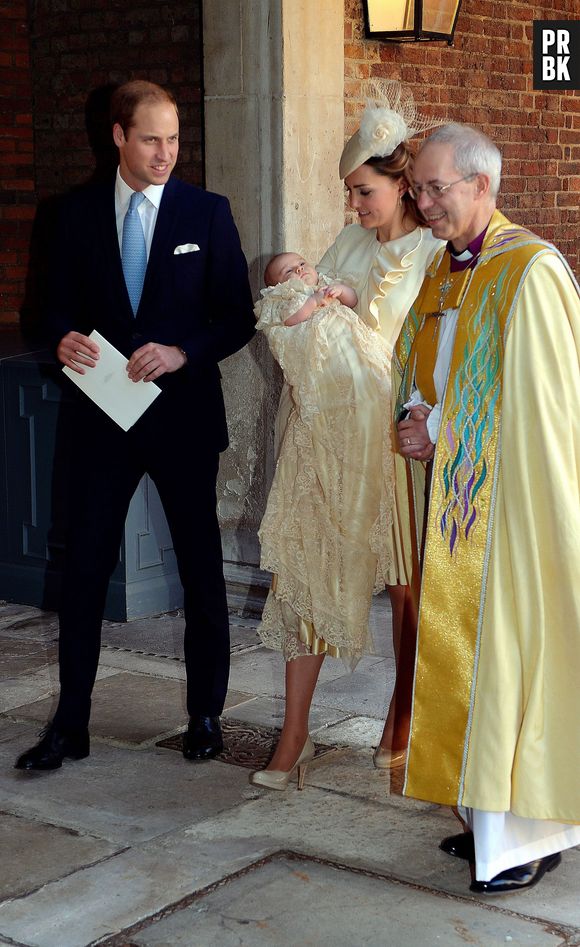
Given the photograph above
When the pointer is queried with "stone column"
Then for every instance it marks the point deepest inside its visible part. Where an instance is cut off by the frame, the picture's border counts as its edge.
(274, 130)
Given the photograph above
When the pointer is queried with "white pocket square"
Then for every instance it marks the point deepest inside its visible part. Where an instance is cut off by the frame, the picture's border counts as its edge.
(186, 248)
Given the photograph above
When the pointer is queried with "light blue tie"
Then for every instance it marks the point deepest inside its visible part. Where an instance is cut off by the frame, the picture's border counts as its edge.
(134, 251)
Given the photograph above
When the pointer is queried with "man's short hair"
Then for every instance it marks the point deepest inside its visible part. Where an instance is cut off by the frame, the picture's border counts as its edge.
(473, 152)
(129, 96)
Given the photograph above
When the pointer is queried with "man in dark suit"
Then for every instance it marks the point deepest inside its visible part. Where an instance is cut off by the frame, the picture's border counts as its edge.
(175, 316)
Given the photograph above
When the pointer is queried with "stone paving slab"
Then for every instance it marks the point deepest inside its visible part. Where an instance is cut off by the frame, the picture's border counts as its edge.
(243, 637)
(174, 828)
(163, 635)
(352, 773)
(359, 731)
(109, 897)
(366, 691)
(33, 853)
(394, 836)
(121, 795)
(269, 712)
(135, 663)
(23, 621)
(144, 879)
(34, 695)
(18, 692)
(160, 635)
(261, 672)
(388, 839)
(138, 882)
(289, 901)
(131, 709)
(10, 730)
(19, 656)
(94, 903)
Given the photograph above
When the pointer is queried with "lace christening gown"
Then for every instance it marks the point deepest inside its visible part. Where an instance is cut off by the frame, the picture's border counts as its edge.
(326, 531)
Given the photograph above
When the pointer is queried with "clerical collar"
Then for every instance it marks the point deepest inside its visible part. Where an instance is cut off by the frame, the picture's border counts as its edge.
(461, 260)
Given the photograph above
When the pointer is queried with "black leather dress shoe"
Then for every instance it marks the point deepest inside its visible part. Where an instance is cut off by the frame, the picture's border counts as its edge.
(203, 739)
(460, 846)
(53, 748)
(515, 879)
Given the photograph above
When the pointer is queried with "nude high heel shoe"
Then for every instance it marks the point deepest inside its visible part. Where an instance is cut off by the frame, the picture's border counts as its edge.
(278, 778)
(389, 759)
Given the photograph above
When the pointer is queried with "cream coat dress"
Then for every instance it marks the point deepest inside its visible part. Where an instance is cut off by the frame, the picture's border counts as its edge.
(386, 278)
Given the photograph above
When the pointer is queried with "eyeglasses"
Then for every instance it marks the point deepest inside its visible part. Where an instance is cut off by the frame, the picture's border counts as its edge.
(435, 191)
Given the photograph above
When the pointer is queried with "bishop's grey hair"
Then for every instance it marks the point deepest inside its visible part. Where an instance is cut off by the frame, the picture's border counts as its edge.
(473, 151)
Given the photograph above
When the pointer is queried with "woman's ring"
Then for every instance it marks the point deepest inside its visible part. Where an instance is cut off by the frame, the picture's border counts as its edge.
(409, 441)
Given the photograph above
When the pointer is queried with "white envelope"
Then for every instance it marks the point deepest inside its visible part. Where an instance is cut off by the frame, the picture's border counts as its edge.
(110, 387)
(186, 248)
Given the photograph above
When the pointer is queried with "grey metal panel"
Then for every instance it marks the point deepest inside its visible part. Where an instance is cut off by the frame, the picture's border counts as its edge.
(153, 547)
(34, 439)
(152, 579)
(35, 422)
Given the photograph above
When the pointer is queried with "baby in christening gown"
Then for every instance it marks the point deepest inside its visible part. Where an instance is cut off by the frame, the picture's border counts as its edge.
(325, 531)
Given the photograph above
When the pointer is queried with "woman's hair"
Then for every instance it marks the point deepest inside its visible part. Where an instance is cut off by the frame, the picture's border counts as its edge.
(473, 152)
(399, 164)
(129, 96)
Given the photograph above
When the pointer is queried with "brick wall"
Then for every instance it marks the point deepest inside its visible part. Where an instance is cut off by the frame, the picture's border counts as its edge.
(485, 79)
(82, 47)
(59, 60)
(17, 197)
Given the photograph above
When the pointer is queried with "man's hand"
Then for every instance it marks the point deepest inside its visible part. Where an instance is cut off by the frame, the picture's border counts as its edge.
(414, 440)
(153, 360)
(75, 350)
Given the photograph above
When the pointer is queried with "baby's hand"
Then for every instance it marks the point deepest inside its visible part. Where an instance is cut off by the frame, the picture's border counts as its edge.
(320, 297)
(332, 292)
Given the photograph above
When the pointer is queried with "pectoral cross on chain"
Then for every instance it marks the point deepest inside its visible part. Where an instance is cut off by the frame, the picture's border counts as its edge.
(445, 287)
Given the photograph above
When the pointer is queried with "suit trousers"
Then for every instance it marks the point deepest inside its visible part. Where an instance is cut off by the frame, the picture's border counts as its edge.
(106, 466)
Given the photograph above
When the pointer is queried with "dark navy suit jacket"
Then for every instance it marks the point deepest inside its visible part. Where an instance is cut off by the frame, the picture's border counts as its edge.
(200, 301)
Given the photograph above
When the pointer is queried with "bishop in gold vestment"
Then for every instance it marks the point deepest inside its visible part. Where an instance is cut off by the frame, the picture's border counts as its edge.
(491, 345)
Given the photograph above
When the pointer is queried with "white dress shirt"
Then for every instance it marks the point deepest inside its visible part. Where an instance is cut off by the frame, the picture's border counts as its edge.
(447, 327)
(147, 209)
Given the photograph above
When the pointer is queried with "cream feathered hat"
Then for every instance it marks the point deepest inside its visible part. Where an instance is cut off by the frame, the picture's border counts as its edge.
(389, 118)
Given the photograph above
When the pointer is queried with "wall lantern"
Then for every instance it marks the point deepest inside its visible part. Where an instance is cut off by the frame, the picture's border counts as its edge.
(410, 21)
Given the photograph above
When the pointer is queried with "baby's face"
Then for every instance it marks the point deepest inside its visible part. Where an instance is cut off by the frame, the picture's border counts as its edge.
(292, 264)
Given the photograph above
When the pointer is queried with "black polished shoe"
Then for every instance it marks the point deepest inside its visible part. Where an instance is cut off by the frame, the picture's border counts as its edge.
(460, 846)
(515, 879)
(53, 748)
(203, 739)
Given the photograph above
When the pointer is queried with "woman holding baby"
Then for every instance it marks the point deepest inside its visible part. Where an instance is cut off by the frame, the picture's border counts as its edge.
(330, 545)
